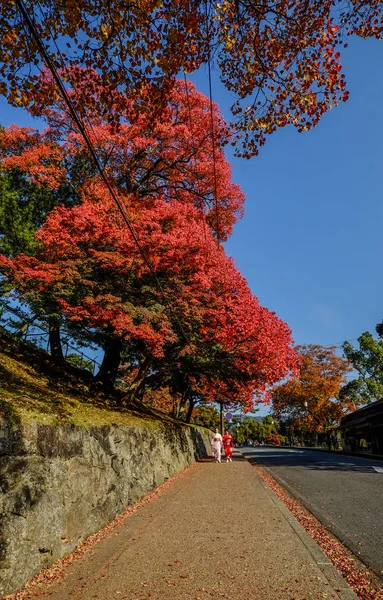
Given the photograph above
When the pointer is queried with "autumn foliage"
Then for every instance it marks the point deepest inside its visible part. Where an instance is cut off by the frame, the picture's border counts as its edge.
(176, 320)
(311, 403)
(89, 266)
(172, 157)
(280, 60)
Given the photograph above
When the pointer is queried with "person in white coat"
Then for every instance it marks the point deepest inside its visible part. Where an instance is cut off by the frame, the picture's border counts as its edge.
(216, 444)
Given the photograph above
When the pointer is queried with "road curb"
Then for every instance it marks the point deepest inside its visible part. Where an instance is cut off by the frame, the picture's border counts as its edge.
(331, 574)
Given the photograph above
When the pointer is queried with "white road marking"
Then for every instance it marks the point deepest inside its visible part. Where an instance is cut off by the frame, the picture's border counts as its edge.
(378, 469)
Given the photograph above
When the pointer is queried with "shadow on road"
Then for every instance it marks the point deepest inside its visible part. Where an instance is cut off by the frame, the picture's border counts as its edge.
(310, 460)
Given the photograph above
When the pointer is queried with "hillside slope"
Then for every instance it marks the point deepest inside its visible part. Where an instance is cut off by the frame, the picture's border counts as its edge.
(33, 387)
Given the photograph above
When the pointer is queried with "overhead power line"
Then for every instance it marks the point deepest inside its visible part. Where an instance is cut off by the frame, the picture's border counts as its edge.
(215, 187)
(30, 25)
(214, 151)
(60, 56)
(340, 344)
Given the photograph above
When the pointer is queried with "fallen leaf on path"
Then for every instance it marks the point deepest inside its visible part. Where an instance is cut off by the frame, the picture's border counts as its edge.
(354, 572)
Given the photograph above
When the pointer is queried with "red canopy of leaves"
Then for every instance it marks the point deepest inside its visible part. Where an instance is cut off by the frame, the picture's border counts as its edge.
(205, 326)
(280, 58)
(171, 158)
(25, 149)
(90, 266)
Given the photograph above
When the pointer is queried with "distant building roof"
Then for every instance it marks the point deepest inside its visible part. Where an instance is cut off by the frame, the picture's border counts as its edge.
(374, 409)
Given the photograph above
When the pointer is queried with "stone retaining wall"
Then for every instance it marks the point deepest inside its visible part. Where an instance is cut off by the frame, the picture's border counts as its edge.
(60, 484)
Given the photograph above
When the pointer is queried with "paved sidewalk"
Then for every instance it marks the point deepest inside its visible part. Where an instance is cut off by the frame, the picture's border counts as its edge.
(220, 532)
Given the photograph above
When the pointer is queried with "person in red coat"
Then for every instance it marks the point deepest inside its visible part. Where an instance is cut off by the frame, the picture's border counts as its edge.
(228, 444)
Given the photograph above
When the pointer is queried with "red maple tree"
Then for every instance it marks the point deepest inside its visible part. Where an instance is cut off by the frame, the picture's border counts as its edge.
(204, 327)
(203, 335)
(172, 157)
(280, 59)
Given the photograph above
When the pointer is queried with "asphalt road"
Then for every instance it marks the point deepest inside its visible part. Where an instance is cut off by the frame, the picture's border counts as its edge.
(344, 493)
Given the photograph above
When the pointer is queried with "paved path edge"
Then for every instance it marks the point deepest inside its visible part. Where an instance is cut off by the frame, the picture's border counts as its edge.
(334, 578)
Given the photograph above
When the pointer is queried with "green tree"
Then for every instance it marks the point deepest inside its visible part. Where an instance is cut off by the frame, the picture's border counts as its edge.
(206, 415)
(367, 360)
(250, 429)
(24, 207)
(79, 362)
(270, 427)
(239, 435)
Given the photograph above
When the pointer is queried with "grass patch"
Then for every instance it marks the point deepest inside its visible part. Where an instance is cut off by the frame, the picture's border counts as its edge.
(35, 388)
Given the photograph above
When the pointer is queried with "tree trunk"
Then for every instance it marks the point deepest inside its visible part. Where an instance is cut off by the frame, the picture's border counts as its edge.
(55, 341)
(178, 406)
(190, 410)
(138, 383)
(176, 410)
(110, 363)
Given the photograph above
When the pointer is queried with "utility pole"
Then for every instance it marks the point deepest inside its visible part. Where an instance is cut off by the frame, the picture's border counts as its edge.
(221, 416)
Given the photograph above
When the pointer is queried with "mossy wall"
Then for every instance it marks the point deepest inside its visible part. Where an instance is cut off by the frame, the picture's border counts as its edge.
(60, 484)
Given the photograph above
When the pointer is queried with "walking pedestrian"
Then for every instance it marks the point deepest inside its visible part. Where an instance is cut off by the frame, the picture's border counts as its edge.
(228, 444)
(216, 445)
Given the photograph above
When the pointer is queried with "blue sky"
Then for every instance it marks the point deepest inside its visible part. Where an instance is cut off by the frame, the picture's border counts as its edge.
(310, 243)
